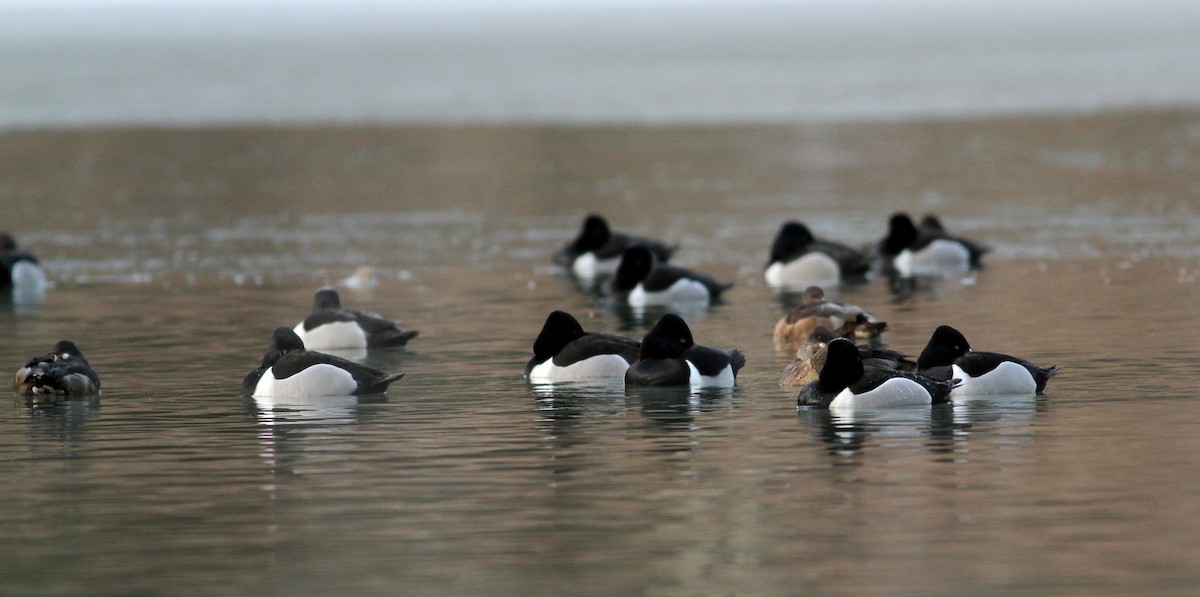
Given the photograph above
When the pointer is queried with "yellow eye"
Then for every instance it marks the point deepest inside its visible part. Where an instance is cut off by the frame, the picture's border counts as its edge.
(683, 340)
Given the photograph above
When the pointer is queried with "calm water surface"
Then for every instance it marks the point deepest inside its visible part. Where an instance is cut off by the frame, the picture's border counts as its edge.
(175, 252)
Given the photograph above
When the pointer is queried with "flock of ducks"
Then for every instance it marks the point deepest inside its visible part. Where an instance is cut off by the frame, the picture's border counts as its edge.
(831, 370)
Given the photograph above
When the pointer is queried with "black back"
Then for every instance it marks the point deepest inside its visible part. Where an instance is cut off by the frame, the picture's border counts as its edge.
(664, 276)
(844, 369)
(596, 237)
(563, 339)
(50, 370)
(380, 332)
(668, 346)
(795, 239)
(640, 266)
(949, 347)
(933, 228)
(286, 356)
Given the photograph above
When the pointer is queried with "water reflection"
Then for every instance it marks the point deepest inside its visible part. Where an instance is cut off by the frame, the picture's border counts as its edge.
(306, 431)
(59, 427)
(943, 429)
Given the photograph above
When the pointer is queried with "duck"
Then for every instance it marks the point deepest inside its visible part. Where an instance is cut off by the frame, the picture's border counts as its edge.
(61, 372)
(669, 356)
(816, 310)
(641, 280)
(564, 352)
(798, 259)
(597, 251)
(932, 225)
(289, 370)
(949, 355)
(845, 382)
(810, 357)
(19, 269)
(928, 250)
(331, 327)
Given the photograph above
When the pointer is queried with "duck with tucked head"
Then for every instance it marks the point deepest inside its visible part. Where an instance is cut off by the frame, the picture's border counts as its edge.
(669, 356)
(949, 355)
(288, 370)
(798, 259)
(19, 269)
(641, 281)
(564, 352)
(61, 372)
(845, 382)
(810, 358)
(928, 250)
(816, 310)
(331, 327)
(597, 250)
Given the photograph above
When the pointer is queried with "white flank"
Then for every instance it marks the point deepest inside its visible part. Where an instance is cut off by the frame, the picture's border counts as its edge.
(812, 269)
(597, 367)
(683, 291)
(724, 379)
(318, 380)
(1008, 378)
(896, 391)
(331, 336)
(27, 275)
(940, 257)
(587, 266)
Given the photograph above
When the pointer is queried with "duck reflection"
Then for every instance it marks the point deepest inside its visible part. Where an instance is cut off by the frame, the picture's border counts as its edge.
(850, 432)
(306, 429)
(946, 428)
(641, 317)
(675, 408)
(563, 408)
(58, 427)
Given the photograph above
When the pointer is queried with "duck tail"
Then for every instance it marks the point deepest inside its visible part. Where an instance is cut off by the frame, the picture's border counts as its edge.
(737, 360)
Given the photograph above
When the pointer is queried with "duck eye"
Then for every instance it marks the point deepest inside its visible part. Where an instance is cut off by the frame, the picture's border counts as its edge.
(683, 340)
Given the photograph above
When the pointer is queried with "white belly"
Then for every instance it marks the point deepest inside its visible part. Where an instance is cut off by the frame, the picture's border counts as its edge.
(597, 367)
(683, 291)
(587, 266)
(896, 391)
(1008, 378)
(813, 269)
(940, 257)
(318, 380)
(332, 336)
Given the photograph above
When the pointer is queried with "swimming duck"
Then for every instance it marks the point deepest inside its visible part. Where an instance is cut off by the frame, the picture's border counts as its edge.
(564, 352)
(288, 370)
(810, 358)
(641, 280)
(330, 327)
(816, 310)
(929, 250)
(597, 250)
(61, 372)
(949, 355)
(798, 259)
(19, 269)
(669, 356)
(845, 382)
